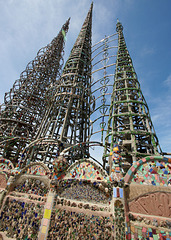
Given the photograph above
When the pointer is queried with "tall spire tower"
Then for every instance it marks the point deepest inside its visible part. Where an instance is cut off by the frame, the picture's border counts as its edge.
(66, 121)
(24, 106)
(129, 122)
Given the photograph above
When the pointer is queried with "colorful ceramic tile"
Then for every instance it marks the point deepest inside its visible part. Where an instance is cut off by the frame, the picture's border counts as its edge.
(36, 170)
(83, 171)
(47, 213)
(44, 228)
(154, 173)
(45, 222)
(139, 232)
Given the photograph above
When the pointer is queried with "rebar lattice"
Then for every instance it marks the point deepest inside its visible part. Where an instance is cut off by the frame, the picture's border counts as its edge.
(104, 55)
(24, 106)
(66, 122)
(129, 123)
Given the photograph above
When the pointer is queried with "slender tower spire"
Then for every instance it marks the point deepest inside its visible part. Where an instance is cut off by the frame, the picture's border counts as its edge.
(129, 123)
(67, 119)
(25, 104)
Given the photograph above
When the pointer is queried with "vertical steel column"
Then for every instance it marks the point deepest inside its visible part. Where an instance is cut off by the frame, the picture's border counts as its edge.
(129, 123)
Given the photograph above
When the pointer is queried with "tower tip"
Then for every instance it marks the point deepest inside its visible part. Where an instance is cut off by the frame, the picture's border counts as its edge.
(119, 26)
(91, 5)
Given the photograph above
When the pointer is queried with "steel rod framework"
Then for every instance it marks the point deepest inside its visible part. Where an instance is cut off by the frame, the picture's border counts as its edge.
(24, 106)
(66, 121)
(103, 66)
(129, 122)
(41, 116)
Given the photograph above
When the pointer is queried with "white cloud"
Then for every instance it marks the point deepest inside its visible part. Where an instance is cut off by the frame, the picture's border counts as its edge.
(147, 50)
(167, 82)
(161, 115)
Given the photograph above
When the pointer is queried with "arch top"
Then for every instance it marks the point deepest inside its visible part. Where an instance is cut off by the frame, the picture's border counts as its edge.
(41, 169)
(7, 162)
(86, 169)
(150, 170)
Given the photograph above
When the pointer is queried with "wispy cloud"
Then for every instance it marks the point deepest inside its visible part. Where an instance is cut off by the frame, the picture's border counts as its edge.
(161, 115)
(167, 82)
(147, 50)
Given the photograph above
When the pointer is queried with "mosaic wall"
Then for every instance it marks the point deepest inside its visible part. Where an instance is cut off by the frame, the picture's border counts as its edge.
(5, 164)
(150, 171)
(4, 167)
(82, 191)
(36, 170)
(100, 188)
(32, 186)
(154, 173)
(119, 220)
(71, 225)
(140, 232)
(20, 219)
(85, 170)
(75, 220)
(60, 164)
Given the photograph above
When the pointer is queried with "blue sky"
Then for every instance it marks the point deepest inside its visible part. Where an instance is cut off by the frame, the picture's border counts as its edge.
(28, 25)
